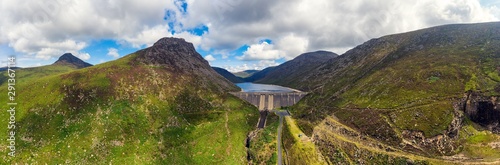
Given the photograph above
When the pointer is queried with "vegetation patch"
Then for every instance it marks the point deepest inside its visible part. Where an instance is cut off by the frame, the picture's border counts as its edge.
(299, 148)
(263, 145)
(431, 119)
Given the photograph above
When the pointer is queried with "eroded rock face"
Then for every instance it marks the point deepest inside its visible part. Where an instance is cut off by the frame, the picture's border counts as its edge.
(180, 57)
(444, 144)
(484, 110)
(174, 53)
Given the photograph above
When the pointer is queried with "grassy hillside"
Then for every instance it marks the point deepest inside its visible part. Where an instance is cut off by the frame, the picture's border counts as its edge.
(228, 75)
(259, 75)
(246, 73)
(31, 74)
(296, 68)
(406, 90)
(127, 112)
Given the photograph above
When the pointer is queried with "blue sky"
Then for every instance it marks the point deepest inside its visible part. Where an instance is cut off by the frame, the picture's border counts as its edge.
(236, 35)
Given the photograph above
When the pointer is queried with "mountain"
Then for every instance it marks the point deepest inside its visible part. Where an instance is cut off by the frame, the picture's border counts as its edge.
(420, 95)
(294, 69)
(246, 73)
(159, 105)
(180, 57)
(259, 75)
(66, 63)
(228, 75)
(70, 60)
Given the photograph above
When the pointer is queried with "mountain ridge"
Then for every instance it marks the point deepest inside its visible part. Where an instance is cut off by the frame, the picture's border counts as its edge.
(228, 75)
(296, 67)
(245, 73)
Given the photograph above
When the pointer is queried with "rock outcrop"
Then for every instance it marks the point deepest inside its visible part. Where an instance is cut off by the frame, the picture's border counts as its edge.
(484, 110)
(180, 57)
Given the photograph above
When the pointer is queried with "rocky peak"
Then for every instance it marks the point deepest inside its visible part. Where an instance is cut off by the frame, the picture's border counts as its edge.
(175, 52)
(180, 57)
(70, 59)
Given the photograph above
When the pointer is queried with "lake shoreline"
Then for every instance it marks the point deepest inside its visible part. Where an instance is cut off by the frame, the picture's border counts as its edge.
(255, 87)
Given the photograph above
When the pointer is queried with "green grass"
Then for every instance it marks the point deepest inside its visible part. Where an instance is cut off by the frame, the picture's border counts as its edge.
(263, 145)
(433, 79)
(480, 138)
(300, 150)
(121, 112)
(432, 119)
(32, 74)
(472, 84)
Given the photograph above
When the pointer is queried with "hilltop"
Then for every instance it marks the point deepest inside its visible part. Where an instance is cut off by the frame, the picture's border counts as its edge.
(69, 59)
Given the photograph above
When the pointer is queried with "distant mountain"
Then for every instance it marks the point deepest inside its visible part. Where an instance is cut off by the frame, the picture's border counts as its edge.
(296, 68)
(259, 75)
(429, 92)
(160, 105)
(246, 73)
(70, 60)
(228, 75)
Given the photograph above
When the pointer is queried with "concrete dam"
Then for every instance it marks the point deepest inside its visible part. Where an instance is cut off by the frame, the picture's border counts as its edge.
(268, 101)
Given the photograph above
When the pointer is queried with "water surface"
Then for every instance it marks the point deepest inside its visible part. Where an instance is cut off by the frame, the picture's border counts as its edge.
(253, 87)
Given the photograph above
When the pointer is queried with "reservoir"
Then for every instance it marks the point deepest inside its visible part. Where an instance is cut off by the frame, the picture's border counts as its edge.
(253, 87)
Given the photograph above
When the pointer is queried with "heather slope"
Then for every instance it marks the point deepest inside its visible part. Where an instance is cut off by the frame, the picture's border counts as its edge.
(228, 75)
(296, 68)
(413, 92)
(160, 105)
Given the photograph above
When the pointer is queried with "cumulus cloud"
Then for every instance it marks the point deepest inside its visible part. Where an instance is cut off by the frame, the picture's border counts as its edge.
(262, 51)
(325, 24)
(41, 29)
(45, 29)
(81, 55)
(210, 58)
(292, 46)
(113, 52)
(262, 64)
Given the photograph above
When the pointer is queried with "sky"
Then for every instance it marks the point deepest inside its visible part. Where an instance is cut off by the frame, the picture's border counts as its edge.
(232, 34)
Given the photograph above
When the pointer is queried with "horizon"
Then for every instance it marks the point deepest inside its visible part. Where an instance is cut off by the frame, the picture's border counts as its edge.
(234, 35)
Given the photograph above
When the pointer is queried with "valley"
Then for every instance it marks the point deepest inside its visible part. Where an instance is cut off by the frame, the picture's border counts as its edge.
(429, 96)
(410, 98)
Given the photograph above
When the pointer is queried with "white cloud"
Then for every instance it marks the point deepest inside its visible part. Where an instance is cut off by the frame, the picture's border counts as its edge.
(40, 29)
(239, 68)
(44, 30)
(265, 63)
(82, 55)
(262, 51)
(324, 24)
(148, 36)
(113, 52)
(292, 46)
(262, 64)
(210, 58)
